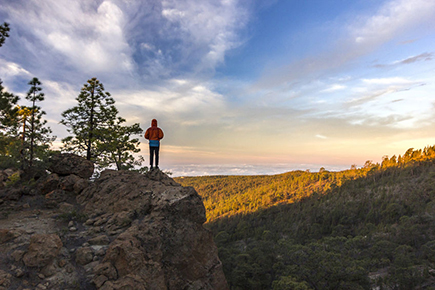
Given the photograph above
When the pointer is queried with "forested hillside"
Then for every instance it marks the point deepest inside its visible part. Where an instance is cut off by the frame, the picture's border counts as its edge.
(355, 229)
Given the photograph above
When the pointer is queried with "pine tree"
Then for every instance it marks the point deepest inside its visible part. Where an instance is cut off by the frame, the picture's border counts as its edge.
(35, 135)
(118, 146)
(93, 114)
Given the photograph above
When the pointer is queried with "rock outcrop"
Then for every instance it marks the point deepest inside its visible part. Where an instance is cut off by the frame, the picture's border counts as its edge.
(125, 230)
(68, 163)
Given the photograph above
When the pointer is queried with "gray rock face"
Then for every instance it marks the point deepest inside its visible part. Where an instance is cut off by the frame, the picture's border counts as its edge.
(131, 231)
(68, 163)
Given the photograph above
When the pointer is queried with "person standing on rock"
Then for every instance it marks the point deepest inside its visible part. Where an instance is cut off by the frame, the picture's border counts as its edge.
(154, 134)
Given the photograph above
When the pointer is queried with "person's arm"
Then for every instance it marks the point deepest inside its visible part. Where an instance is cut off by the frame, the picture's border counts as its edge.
(147, 134)
(161, 134)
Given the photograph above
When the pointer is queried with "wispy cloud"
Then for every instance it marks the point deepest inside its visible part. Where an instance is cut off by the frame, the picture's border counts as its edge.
(190, 98)
(372, 89)
(421, 57)
(363, 35)
(388, 81)
(139, 40)
(87, 35)
(393, 18)
(333, 88)
(11, 69)
(370, 96)
(210, 27)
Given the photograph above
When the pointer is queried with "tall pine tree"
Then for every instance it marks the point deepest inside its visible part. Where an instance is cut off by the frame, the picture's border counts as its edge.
(94, 112)
(36, 137)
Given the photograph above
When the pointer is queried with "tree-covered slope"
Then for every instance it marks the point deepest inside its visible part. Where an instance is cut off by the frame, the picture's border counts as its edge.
(354, 229)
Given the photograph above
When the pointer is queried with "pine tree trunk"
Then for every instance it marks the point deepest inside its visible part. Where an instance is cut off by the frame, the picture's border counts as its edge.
(91, 126)
(23, 142)
(32, 134)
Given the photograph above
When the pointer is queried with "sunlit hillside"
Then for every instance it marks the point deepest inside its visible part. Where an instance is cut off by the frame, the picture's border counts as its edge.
(225, 196)
(356, 229)
(230, 195)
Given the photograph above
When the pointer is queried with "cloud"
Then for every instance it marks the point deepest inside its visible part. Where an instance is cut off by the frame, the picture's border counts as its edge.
(10, 69)
(421, 57)
(424, 56)
(128, 42)
(393, 18)
(333, 88)
(378, 87)
(210, 26)
(363, 36)
(178, 97)
(408, 41)
(388, 81)
(183, 38)
(70, 41)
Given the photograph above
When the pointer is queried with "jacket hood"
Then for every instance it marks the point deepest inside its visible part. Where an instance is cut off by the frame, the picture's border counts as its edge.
(154, 123)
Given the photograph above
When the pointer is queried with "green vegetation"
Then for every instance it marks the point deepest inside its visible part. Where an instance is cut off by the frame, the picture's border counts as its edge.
(14, 178)
(96, 129)
(355, 229)
(24, 138)
(35, 136)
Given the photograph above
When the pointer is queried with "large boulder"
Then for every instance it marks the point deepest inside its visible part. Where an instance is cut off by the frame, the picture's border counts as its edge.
(67, 163)
(162, 242)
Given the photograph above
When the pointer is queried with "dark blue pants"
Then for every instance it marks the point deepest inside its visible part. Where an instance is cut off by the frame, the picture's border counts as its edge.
(154, 151)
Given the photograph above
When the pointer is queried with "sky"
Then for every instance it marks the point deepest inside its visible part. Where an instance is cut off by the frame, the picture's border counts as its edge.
(238, 86)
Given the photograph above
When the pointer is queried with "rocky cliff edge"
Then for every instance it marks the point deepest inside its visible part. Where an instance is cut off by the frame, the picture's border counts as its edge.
(124, 230)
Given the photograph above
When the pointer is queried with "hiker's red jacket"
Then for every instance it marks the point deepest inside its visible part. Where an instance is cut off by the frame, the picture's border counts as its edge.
(154, 132)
